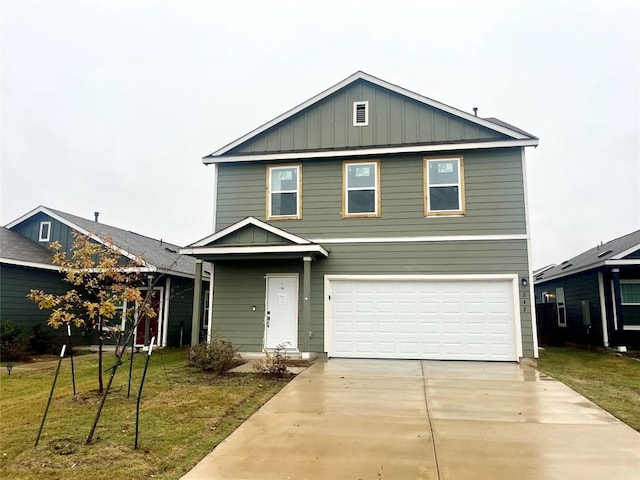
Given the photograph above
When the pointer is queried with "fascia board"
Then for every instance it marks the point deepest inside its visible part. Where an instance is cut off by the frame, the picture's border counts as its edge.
(73, 226)
(370, 151)
(255, 222)
(251, 250)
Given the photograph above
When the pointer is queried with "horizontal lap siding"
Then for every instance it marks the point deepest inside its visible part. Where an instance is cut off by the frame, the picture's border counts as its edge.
(240, 285)
(493, 189)
(16, 283)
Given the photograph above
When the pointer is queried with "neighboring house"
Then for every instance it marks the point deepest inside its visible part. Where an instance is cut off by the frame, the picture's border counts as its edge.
(373, 222)
(593, 298)
(27, 264)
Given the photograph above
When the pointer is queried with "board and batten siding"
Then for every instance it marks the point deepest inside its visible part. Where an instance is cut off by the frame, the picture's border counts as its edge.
(493, 189)
(240, 285)
(393, 120)
(60, 232)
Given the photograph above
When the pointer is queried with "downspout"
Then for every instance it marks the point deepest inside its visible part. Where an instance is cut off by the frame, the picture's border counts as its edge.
(306, 304)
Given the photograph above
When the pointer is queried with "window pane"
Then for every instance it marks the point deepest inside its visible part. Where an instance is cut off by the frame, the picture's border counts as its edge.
(631, 314)
(361, 175)
(630, 292)
(284, 179)
(284, 204)
(361, 201)
(443, 171)
(443, 198)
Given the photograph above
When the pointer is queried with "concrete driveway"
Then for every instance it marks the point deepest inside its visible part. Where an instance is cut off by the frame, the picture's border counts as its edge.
(404, 419)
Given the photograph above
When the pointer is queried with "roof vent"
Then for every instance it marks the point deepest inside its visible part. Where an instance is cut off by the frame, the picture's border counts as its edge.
(360, 114)
(602, 254)
(566, 266)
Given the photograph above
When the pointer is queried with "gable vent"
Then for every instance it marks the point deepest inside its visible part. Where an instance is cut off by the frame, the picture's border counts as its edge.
(360, 114)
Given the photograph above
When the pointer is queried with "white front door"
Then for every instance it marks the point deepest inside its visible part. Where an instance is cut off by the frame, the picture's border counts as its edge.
(281, 319)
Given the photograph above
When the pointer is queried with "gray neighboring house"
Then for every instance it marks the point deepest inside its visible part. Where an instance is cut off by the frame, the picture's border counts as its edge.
(592, 298)
(171, 274)
(373, 222)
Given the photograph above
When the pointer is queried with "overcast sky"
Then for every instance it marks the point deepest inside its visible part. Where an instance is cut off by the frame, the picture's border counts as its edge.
(109, 105)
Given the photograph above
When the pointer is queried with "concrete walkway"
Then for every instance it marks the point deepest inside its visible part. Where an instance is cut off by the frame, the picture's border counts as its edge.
(378, 419)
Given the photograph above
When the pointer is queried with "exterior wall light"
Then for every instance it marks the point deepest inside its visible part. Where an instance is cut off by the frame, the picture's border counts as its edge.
(524, 282)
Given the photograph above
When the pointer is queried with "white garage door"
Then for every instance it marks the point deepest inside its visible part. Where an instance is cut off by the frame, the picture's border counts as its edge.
(422, 319)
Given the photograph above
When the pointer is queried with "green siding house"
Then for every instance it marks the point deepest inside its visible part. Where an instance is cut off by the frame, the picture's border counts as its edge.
(593, 298)
(26, 263)
(373, 222)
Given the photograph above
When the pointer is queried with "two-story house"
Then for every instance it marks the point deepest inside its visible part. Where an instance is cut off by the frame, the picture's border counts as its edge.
(373, 222)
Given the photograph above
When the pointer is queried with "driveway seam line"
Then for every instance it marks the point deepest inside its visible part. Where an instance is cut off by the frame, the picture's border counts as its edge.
(433, 437)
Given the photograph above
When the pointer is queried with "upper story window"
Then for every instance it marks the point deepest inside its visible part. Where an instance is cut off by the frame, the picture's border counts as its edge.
(444, 186)
(360, 114)
(361, 189)
(284, 192)
(45, 232)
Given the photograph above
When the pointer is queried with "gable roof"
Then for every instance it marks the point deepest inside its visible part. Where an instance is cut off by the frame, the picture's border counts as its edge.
(512, 134)
(612, 253)
(158, 255)
(18, 250)
(214, 247)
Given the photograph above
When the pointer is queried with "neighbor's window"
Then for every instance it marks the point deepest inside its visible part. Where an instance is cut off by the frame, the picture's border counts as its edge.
(444, 186)
(45, 232)
(630, 293)
(361, 189)
(284, 192)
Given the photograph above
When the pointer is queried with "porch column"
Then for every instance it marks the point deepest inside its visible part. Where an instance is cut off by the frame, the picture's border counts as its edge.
(617, 307)
(197, 304)
(306, 304)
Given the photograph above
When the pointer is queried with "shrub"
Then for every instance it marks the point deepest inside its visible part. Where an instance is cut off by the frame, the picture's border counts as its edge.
(43, 341)
(13, 345)
(275, 364)
(218, 356)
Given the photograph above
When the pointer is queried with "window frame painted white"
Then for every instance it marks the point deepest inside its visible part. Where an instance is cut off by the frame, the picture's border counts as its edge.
(346, 189)
(427, 185)
(273, 168)
(356, 106)
(623, 304)
(47, 237)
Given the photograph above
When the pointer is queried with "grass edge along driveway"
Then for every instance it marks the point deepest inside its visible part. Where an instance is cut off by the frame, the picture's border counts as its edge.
(610, 381)
(184, 414)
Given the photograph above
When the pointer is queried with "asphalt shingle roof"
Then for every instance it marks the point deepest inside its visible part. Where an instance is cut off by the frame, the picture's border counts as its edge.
(157, 253)
(14, 246)
(591, 258)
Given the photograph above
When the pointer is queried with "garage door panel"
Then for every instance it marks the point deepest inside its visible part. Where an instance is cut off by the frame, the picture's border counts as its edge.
(428, 319)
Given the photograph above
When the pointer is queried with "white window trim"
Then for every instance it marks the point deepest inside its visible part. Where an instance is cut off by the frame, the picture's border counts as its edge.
(298, 192)
(366, 114)
(41, 237)
(561, 306)
(346, 190)
(622, 302)
(428, 212)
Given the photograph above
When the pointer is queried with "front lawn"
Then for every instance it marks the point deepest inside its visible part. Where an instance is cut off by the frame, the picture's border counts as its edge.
(610, 381)
(184, 414)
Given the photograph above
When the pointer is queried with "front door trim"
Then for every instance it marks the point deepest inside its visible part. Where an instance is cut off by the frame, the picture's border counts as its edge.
(294, 325)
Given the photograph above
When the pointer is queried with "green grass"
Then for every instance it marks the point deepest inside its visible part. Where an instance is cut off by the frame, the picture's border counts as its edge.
(609, 381)
(184, 414)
